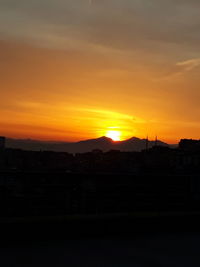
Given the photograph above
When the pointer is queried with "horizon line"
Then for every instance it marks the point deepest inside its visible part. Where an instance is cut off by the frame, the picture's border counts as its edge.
(87, 139)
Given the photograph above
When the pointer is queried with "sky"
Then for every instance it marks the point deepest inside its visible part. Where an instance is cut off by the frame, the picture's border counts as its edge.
(77, 69)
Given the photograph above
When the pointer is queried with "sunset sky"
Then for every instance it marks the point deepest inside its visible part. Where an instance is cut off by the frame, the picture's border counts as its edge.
(77, 69)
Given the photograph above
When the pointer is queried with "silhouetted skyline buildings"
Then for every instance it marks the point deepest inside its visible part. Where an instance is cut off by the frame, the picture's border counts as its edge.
(46, 184)
(154, 158)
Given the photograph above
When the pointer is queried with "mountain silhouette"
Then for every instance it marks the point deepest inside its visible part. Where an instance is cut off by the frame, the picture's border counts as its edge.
(102, 143)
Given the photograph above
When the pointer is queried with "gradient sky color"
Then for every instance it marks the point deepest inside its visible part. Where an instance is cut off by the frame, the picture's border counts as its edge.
(75, 69)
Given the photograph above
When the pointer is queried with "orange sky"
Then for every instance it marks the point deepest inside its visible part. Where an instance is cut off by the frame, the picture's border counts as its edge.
(74, 70)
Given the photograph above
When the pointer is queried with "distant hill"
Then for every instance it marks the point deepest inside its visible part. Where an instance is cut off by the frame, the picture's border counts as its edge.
(102, 143)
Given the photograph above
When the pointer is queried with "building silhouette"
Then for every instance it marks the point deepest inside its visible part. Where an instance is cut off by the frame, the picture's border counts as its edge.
(2, 142)
(189, 145)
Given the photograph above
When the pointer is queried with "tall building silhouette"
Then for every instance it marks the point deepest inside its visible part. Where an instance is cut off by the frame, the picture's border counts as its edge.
(156, 140)
(2, 142)
(147, 143)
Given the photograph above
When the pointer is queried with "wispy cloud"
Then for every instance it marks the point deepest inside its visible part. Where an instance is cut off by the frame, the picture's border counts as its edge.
(190, 64)
(179, 69)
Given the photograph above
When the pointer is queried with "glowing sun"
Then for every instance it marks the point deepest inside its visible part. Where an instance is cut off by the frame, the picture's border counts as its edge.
(114, 135)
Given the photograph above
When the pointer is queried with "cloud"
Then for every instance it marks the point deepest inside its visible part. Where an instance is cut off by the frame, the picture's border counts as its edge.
(190, 64)
(136, 25)
(178, 70)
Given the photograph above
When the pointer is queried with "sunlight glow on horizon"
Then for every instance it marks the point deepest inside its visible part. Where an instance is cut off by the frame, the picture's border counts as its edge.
(59, 122)
(114, 135)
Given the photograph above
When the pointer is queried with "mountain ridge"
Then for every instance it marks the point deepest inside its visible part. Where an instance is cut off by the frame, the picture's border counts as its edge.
(103, 143)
